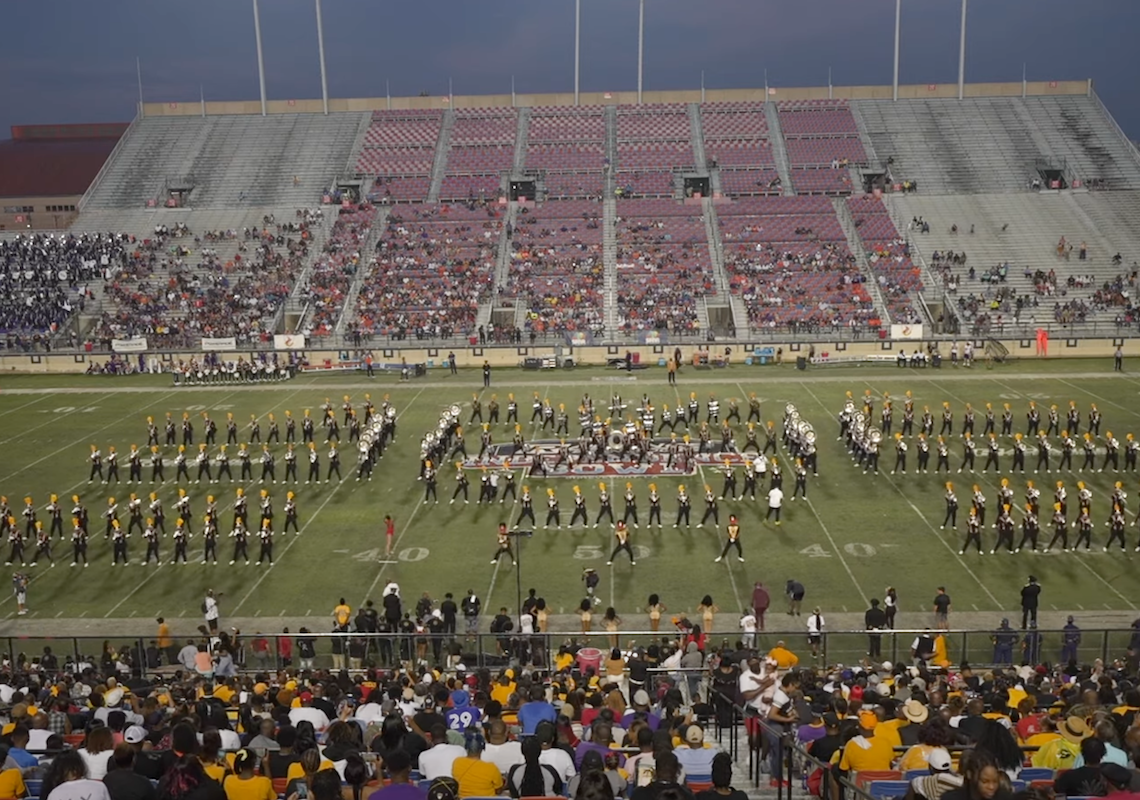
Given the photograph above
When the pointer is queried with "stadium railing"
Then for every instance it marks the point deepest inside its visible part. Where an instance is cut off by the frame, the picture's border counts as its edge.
(494, 649)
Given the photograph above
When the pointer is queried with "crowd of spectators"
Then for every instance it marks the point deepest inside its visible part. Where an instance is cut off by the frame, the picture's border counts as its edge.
(432, 268)
(335, 268)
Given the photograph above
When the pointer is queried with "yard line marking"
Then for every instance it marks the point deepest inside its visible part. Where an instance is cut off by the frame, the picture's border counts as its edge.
(1054, 606)
(975, 605)
(1082, 608)
(25, 405)
(58, 614)
(133, 612)
(74, 410)
(838, 551)
(922, 516)
(85, 438)
(1099, 399)
(1106, 605)
(282, 613)
(131, 593)
(983, 477)
(181, 613)
(84, 614)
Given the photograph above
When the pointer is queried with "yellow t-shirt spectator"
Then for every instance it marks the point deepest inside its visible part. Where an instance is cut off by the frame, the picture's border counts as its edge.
(1057, 754)
(297, 771)
(915, 757)
(861, 754)
(255, 788)
(477, 778)
(784, 658)
(889, 730)
(12, 784)
(342, 614)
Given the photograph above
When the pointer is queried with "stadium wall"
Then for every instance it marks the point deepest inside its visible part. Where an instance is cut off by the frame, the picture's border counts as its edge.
(909, 92)
(503, 357)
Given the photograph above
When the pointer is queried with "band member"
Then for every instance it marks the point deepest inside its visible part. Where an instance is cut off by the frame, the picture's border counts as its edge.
(711, 508)
(211, 429)
(187, 430)
(713, 408)
(462, 484)
(654, 507)
(800, 472)
(80, 511)
(927, 421)
(96, 460)
(29, 518)
(1073, 419)
(605, 506)
(157, 466)
(536, 408)
(430, 482)
(268, 465)
(526, 508)
(872, 462)
(1032, 420)
(991, 420)
(753, 408)
(181, 470)
(508, 482)
(503, 539)
(151, 432)
(210, 543)
(579, 508)
(240, 536)
(307, 427)
(486, 439)
(973, 533)
(78, 542)
(1067, 448)
(552, 511)
(334, 464)
(150, 536)
(182, 507)
(119, 545)
(291, 427)
(1094, 420)
(733, 411)
(947, 428)
(314, 464)
(1060, 528)
(202, 461)
(512, 411)
(111, 514)
(1054, 421)
(969, 450)
(729, 488)
(943, 456)
(55, 514)
(171, 437)
(1004, 525)
(1111, 453)
(1030, 529)
(476, 410)
(684, 507)
(134, 465)
(43, 545)
(1006, 420)
(968, 420)
(1116, 524)
(241, 513)
(733, 540)
(951, 517)
(134, 509)
(266, 507)
(1084, 528)
(484, 486)
(1131, 448)
(630, 506)
(923, 448)
(900, 456)
(978, 504)
(231, 429)
(770, 441)
(291, 513)
(1084, 496)
(1043, 449)
(993, 451)
(621, 534)
(254, 428)
(266, 537)
(246, 463)
(563, 426)
(274, 436)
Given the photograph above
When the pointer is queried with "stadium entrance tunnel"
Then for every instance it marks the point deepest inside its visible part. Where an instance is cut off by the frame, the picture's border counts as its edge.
(524, 189)
(697, 187)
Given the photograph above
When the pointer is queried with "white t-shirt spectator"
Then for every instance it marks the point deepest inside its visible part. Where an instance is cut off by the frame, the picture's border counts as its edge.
(211, 608)
(84, 789)
(775, 497)
(748, 623)
(370, 712)
(559, 759)
(436, 762)
(96, 763)
(504, 756)
(313, 715)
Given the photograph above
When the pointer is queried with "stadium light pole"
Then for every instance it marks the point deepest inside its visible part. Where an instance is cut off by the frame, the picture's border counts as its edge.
(577, 45)
(321, 50)
(138, 69)
(640, 46)
(898, 37)
(260, 58)
(962, 55)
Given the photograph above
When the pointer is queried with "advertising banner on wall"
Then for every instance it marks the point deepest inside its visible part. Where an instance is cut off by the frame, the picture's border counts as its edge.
(906, 331)
(215, 344)
(289, 341)
(128, 345)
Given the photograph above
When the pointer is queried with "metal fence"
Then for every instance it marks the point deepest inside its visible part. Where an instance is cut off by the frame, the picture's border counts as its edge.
(357, 651)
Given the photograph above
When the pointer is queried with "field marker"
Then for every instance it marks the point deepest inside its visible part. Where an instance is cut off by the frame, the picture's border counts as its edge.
(1106, 605)
(58, 614)
(25, 405)
(1082, 608)
(975, 605)
(86, 438)
(1098, 398)
(922, 516)
(257, 613)
(983, 477)
(131, 593)
(84, 614)
(838, 550)
(74, 410)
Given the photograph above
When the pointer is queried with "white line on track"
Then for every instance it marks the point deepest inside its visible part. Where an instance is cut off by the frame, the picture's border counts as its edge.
(921, 516)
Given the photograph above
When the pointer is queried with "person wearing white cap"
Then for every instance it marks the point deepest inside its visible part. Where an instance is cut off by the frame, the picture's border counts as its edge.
(941, 778)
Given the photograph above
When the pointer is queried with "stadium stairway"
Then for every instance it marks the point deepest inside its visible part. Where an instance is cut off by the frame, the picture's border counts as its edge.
(609, 260)
(146, 157)
(522, 137)
(357, 146)
(611, 151)
(442, 149)
(1081, 131)
(502, 271)
(868, 145)
(367, 256)
(696, 135)
(855, 243)
(779, 150)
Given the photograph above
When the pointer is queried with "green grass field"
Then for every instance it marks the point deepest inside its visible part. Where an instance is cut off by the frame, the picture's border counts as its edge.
(856, 534)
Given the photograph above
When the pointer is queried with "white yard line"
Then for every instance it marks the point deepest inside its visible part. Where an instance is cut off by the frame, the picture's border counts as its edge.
(926, 521)
(85, 438)
(25, 405)
(51, 421)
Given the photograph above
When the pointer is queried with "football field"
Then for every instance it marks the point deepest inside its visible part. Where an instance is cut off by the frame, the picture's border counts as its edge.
(855, 535)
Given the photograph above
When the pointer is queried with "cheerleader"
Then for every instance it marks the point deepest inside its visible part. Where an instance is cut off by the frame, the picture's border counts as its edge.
(552, 513)
(630, 506)
(605, 507)
(526, 503)
(503, 540)
(240, 536)
(733, 540)
(150, 535)
(951, 517)
(621, 534)
(579, 508)
(78, 543)
(291, 513)
(266, 537)
(711, 508)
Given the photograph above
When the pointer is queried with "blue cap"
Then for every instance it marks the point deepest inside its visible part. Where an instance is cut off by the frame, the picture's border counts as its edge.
(460, 698)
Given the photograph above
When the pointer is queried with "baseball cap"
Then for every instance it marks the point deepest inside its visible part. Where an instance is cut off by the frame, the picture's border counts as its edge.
(939, 759)
(134, 734)
(831, 719)
(641, 698)
(460, 698)
(868, 720)
(694, 734)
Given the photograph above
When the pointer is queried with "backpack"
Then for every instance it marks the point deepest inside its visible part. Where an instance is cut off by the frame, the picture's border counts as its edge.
(443, 788)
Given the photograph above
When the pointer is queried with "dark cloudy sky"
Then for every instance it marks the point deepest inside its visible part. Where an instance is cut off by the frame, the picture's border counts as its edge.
(74, 61)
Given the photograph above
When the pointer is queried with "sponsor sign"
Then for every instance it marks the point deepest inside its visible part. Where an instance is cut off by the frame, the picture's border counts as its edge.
(212, 344)
(289, 341)
(906, 331)
(128, 345)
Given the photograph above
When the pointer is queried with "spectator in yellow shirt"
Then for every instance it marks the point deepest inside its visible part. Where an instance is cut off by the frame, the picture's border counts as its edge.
(866, 751)
(1061, 753)
(785, 659)
(476, 777)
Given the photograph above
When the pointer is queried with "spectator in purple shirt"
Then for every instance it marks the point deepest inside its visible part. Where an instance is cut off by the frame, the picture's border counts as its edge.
(399, 766)
(640, 710)
(600, 743)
